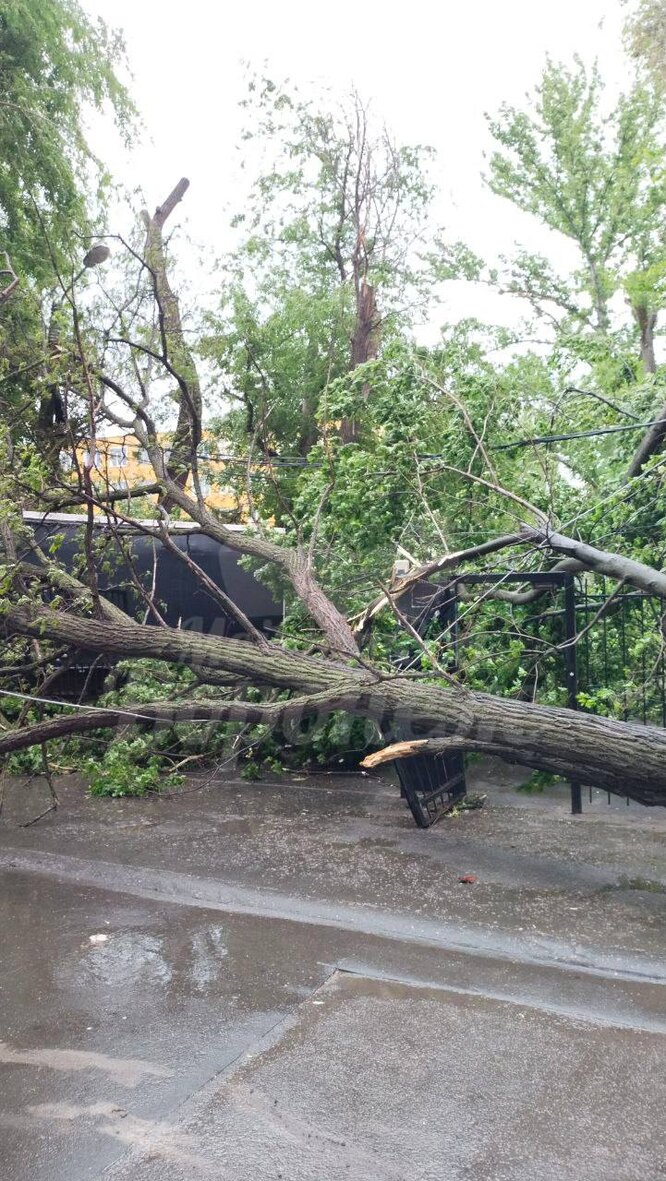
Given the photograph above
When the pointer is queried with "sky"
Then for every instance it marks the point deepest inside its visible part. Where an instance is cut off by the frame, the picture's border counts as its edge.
(430, 70)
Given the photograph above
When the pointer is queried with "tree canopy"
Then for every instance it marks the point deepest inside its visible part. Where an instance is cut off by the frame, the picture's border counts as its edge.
(58, 71)
(646, 37)
(55, 63)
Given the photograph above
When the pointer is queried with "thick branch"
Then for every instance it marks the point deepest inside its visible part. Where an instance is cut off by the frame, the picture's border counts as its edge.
(8, 290)
(167, 207)
(649, 445)
(294, 562)
(193, 712)
(282, 669)
(616, 566)
(57, 501)
(448, 562)
(174, 345)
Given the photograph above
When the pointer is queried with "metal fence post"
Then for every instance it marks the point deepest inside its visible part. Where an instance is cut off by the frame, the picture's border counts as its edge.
(570, 664)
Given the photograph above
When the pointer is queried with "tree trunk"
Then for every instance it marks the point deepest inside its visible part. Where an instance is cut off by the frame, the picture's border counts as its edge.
(617, 756)
(599, 296)
(653, 439)
(649, 445)
(647, 322)
(365, 345)
(175, 350)
(365, 341)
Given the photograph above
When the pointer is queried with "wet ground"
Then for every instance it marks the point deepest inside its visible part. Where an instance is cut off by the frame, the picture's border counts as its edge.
(289, 980)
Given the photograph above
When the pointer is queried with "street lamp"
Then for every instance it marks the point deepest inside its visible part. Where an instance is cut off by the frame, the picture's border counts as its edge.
(58, 403)
(95, 256)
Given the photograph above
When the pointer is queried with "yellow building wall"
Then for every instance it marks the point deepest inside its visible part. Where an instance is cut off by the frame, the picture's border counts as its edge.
(121, 463)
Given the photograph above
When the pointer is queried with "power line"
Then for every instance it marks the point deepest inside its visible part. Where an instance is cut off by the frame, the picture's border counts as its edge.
(78, 706)
(607, 430)
(301, 463)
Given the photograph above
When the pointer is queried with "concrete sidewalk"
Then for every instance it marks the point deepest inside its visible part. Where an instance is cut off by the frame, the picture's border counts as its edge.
(288, 979)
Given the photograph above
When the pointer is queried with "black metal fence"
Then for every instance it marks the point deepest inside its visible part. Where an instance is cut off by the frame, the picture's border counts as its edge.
(586, 644)
(620, 644)
(432, 784)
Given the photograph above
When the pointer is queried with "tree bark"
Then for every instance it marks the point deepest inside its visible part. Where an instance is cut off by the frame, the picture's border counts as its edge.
(187, 434)
(617, 756)
(169, 714)
(365, 345)
(365, 341)
(649, 445)
(647, 322)
(522, 758)
(616, 566)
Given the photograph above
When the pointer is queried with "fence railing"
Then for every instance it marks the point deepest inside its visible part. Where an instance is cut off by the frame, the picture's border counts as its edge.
(589, 644)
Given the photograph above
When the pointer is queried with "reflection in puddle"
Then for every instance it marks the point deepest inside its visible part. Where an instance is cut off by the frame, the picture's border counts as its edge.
(128, 957)
(208, 948)
(132, 958)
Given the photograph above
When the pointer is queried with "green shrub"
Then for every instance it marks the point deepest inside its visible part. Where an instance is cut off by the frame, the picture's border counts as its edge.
(127, 769)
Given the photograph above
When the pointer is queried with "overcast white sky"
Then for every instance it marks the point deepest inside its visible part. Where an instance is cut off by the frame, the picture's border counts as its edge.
(430, 69)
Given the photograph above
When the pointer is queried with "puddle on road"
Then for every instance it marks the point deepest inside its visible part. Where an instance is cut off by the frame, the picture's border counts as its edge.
(127, 957)
(209, 948)
(136, 958)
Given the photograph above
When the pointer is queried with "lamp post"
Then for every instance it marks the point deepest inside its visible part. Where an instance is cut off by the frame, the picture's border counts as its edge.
(97, 255)
(94, 258)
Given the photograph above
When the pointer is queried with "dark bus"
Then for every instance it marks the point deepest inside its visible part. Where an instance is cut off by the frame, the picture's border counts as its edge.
(178, 595)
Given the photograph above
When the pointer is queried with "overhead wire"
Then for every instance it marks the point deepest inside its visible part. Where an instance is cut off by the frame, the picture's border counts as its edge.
(301, 462)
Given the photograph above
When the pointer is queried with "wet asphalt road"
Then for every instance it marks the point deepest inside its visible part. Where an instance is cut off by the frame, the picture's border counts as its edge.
(269, 981)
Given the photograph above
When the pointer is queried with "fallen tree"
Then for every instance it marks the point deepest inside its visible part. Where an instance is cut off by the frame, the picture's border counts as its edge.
(619, 757)
(334, 673)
